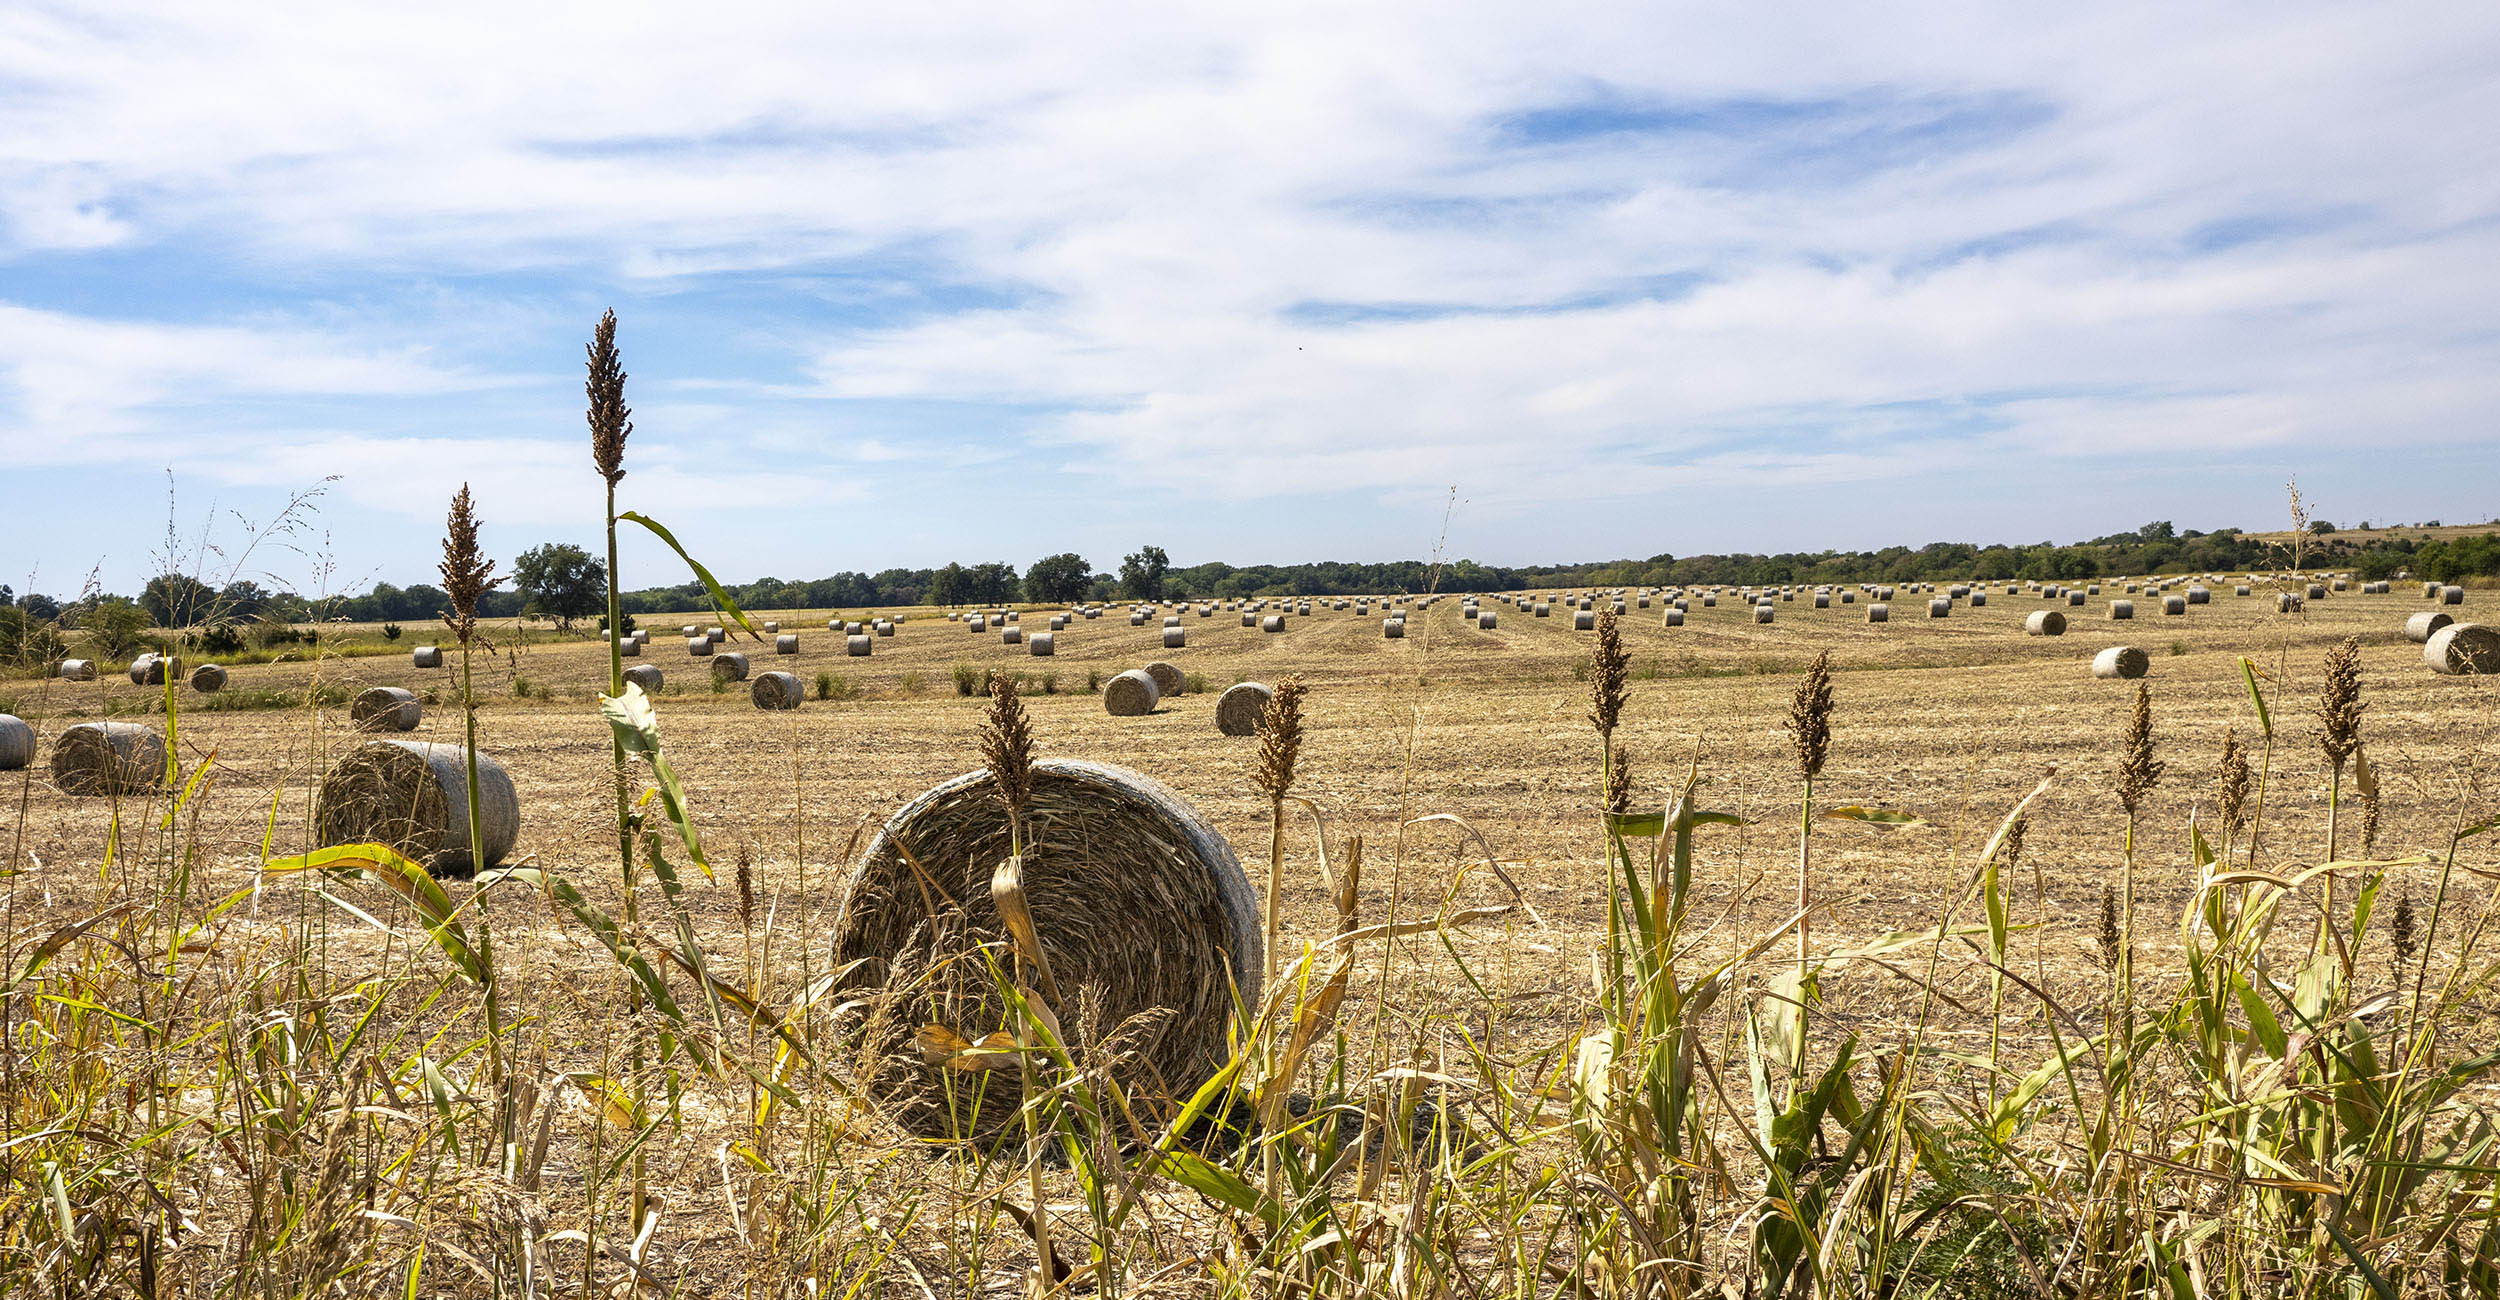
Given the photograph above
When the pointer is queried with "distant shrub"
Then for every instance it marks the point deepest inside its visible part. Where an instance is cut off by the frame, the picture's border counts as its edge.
(970, 680)
(390, 631)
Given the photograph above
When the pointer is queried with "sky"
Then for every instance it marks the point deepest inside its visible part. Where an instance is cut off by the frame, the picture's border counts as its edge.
(1266, 283)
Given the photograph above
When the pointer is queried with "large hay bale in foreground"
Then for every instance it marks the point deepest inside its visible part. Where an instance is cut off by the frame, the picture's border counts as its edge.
(2044, 622)
(2121, 661)
(1239, 708)
(413, 796)
(2462, 648)
(17, 743)
(103, 758)
(1168, 679)
(1140, 908)
(1131, 694)
(386, 708)
(2421, 627)
(208, 679)
(729, 666)
(777, 691)
(646, 676)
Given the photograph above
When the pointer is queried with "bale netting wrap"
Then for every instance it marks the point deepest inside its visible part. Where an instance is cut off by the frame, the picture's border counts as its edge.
(1131, 694)
(1239, 708)
(108, 758)
(2045, 622)
(386, 708)
(777, 691)
(2121, 661)
(646, 676)
(2460, 649)
(2420, 627)
(428, 656)
(78, 670)
(208, 679)
(729, 666)
(413, 795)
(17, 743)
(1140, 907)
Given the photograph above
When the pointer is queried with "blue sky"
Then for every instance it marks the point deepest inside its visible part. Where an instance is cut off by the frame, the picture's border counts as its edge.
(1257, 283)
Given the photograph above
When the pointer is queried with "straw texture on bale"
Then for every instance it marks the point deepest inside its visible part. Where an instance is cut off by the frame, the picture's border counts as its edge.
(1393, 628)
(2452, 595)
(428, 656)
(1011, 635)
(2462, 648)
(1239, 708)
(17, 743)
(1822, 600)
(646, 676)
(103, 758)
(2122, 609)
(1978, 598)
(1140, 907)
(777, 691)
(78, 670)
(698, 646)
(1272, 623)
(2045, 622)
(859, 647)
(1940, 607)
(386, 708)
(148, 670)
(1043, 644)
(1675, 618)
(786, 643)
(729, 666)
(1879, 612)
(2121, 661)
(1175, 638)
(885, 628)
(2420, 627)
(771, 628)
(1584, 621)
(1131, 694)
(1488, 620)
(208, 679)
(2174, 604)
(1168, 679)
(629, 647)
(413, 796)
(1762, 613)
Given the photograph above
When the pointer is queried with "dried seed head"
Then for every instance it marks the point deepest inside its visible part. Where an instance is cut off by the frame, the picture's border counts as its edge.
(466, 572)
(2339, 704)
(1619, 781)
(746, 890)
(2402, 931)
(2231, 782)
(2014, 840)
(2369, 819)
(1810, 717)
(1280, 737)
(1007, 750)
(2109, 936)
(1610, 667)
(610, 420)
(2139, 771)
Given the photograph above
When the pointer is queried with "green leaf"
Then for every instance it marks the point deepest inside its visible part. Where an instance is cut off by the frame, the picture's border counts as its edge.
(720, 598)
(1636, 825)
(1880, 818)
(637, 728)
(1217, 1184)
(410, 881)
(2248, 674)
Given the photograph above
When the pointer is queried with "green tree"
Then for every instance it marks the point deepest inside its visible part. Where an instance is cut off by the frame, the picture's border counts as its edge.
(177, 599)
(1058, 579)
(562, 581)
(116, 629)
(1141, 573)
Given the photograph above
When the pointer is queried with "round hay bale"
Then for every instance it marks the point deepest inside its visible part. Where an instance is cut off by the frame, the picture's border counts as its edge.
(2420, 627)
(777, 690)
(2174, 604)
(1168, 679)
(2286, 603)
(1709, 599)
(1675, 618)
(2430, 591)
(413, 796)
(1940, 607)
(646, 676)
(2452, 595)
(1822, 600)
(1584, 621)
(1543, 610)
(208, 679)
(1011, 635)
(1043, 644)
(980, 624)
(885, 627)
(1171, 620)
(629, 647)
(2044, 622)
(1249, 619)
(147, 670)
(698, 647)
(729, 666)
(1879, 612)
(1487, 621)
(1175, 638)
(1978, 598)
(1134, 898)
(1762, 613)
(859, 647)
(1272, 623)
(771, 628)
(2122, 609)
(1060, 621)
(108, 758)
(2462, 648)
(715, 632)
(2240, 590)
(386, 708)
(1393, 629)
(2121, 661)
(1139, 620)
(428, 656)
(1846, 598)
(78, 670)
(1131, 694)
(690, 629)
(2317, 591)
(17, 743)
(2200, 596)
(1239, 708)
(786, 643)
